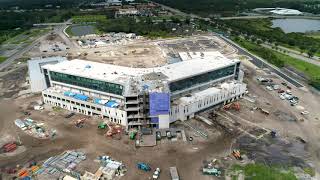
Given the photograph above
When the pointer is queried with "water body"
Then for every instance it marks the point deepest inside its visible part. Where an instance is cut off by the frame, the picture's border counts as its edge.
(82, 30)
(297, 25)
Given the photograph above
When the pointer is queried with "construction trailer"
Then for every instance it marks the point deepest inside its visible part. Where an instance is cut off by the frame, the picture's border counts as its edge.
(174, 173)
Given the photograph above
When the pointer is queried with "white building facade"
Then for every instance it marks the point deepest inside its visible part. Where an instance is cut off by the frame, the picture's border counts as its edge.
(152, 97)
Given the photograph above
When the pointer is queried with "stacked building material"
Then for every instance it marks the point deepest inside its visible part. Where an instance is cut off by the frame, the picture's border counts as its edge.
(9, 147)
(63, 163)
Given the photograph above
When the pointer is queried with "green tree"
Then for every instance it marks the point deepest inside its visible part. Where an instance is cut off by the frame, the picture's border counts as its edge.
(311, 52)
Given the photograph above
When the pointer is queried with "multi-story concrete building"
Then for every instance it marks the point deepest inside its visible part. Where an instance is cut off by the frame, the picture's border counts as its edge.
(144, 96)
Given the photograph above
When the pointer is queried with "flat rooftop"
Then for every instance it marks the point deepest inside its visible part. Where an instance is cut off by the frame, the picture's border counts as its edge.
(121, 74)
(196, 96)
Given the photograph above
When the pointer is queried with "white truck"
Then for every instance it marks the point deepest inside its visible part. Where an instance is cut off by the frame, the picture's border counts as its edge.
(20, 124)
(38, 108)
(156, 173)
(174, 173)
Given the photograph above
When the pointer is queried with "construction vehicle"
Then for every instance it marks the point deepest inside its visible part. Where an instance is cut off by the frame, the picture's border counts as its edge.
(158, 135)
(143, 166)
(102, 125)
(263, 111)
(132, 135)
(79, 123)
(113, 129)
(236, 153)
(156, 173)
(174, 173)
(234, 105)
(211, 171)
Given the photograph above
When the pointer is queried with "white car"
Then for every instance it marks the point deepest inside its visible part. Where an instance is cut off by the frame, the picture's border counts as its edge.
(269, 88)
(276, 87)
(288, 96)
(156, 173)
(38, 108)
(288, 92)
(305, 112)
(282, 97)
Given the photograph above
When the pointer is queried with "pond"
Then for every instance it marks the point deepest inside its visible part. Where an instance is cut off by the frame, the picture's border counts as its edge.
(82, 30)
(297, 25)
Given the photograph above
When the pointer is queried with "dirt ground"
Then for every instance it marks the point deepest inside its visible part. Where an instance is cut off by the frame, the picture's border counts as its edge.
(188, 156)
(139, 53)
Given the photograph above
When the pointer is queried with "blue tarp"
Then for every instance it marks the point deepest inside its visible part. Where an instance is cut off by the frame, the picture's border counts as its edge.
(159, 103)
(68, 93)
(81, 97)
(112, 104)
(97, 100)
(154, 120)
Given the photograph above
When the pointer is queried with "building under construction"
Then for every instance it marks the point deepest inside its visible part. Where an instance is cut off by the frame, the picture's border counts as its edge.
(153, 97)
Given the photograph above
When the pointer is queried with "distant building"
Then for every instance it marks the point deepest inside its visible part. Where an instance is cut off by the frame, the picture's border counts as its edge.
(36, 76)
(278, 11)
(283, 11)
(127, 12)
(111, 3)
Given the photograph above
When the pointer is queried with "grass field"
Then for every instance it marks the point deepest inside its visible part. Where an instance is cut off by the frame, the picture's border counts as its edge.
(88, 19)
(26, 36)
(262, 172)
(2, 59)
(310, 70)
(315, 35)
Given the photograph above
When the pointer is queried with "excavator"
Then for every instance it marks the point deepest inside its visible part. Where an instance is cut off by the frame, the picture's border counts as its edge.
(234, 105)
(113, 129)
(79, 123)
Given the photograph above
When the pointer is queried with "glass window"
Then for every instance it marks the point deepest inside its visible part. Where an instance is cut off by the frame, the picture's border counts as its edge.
(202, 78)
(87, 83)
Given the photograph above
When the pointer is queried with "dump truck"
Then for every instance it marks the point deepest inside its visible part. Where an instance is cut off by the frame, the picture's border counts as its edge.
(143, 166)
(211, 171)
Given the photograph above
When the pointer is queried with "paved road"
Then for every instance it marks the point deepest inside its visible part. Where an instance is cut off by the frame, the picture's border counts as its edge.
(53, 24)
(259, 62)
(58, 30)
(19, 53)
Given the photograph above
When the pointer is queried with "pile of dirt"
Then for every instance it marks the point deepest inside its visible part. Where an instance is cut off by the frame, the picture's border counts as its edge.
(274, 151)
(285, 116)
(11, 82)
